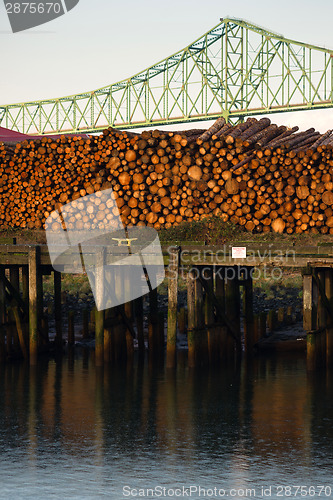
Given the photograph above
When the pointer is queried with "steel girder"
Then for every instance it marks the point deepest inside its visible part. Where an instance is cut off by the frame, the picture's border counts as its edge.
(237, 69)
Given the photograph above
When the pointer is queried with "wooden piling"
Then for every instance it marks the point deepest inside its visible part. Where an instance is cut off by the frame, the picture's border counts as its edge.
(152, 343)
(85, 323)
(13, 335)
(289, 315)
(14, 277)
(202, 341)
(172, 307)
(191, 333)
(71, 336)
(248, 312)
(34, 263)
(161, 340)
(127, 308)
(181, 320)
(310, 297)
(99, 314)
(20, 331)
(138, 313)
(25, 284)
(256, 329)
(44, 330)
(212, 343)
(99, 337)
(2, 313)
(129, 345)
(271, 320)
(57, 308)
(222, 333)
(262, 324)
(321, 318)
(92, 319)
(118, 341)
(153, 340)
(281, 315)
(329, 330)
(233, 308)
(110, 315)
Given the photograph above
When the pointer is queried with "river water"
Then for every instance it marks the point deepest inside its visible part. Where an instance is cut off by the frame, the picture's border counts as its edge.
(257, 430)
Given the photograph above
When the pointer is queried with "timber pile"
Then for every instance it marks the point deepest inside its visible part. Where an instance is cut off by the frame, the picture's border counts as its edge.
(255, 174)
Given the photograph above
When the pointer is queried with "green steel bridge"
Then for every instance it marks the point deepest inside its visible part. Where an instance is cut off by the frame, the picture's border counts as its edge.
(236, 69)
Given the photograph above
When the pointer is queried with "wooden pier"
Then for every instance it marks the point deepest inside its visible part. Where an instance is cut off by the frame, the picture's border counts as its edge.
(217, 278)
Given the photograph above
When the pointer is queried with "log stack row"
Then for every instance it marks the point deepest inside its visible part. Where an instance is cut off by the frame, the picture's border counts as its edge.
(256, 174)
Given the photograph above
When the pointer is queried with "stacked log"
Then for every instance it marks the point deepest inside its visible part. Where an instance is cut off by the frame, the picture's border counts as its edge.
(256, 174)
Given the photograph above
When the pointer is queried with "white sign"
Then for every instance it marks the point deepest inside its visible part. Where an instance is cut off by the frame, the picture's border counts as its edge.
(238, 252)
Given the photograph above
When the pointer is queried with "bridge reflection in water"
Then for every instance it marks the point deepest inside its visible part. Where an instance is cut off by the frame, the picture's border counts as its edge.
(68, 426)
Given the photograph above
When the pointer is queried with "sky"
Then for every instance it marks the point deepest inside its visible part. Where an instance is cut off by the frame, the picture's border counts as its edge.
(102, 41)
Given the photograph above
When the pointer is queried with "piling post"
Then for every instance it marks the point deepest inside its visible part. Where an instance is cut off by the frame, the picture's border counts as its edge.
(329, 330)
(99, 314)
(256, 332)
(220, 296)
(209, 318)
(25, 297)
(129, 314)
(25, 284)
(118, 342)
(57, 308)
(20, 330)
(232, 307)
(99, 337)
(40, 302)
(248, 311)
(85, 323)
(200, 319)
(262, 324)
(138, 313)
(281, 315)
(310, 297)
(92, 319)
(2, 313)
(191, 333)
(12, 333)
(161, 341)
(107, 343)
(173, 270)
(181, 320)
(289, 315)
(196, 335)
(71, 336)
(45, 330)
(321, 318)
(153, 340)
(34, 269)
(271, 320)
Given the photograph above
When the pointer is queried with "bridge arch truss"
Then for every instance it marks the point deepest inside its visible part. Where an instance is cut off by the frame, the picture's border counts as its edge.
(236, 69)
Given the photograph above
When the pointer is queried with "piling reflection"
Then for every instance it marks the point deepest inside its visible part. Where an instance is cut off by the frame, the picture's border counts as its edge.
(225, 419)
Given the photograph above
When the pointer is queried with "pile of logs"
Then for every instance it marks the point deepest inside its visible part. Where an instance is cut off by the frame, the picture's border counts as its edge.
(256, 174)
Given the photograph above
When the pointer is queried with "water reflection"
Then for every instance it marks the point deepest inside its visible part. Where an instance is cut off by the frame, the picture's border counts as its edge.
(67, 426)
